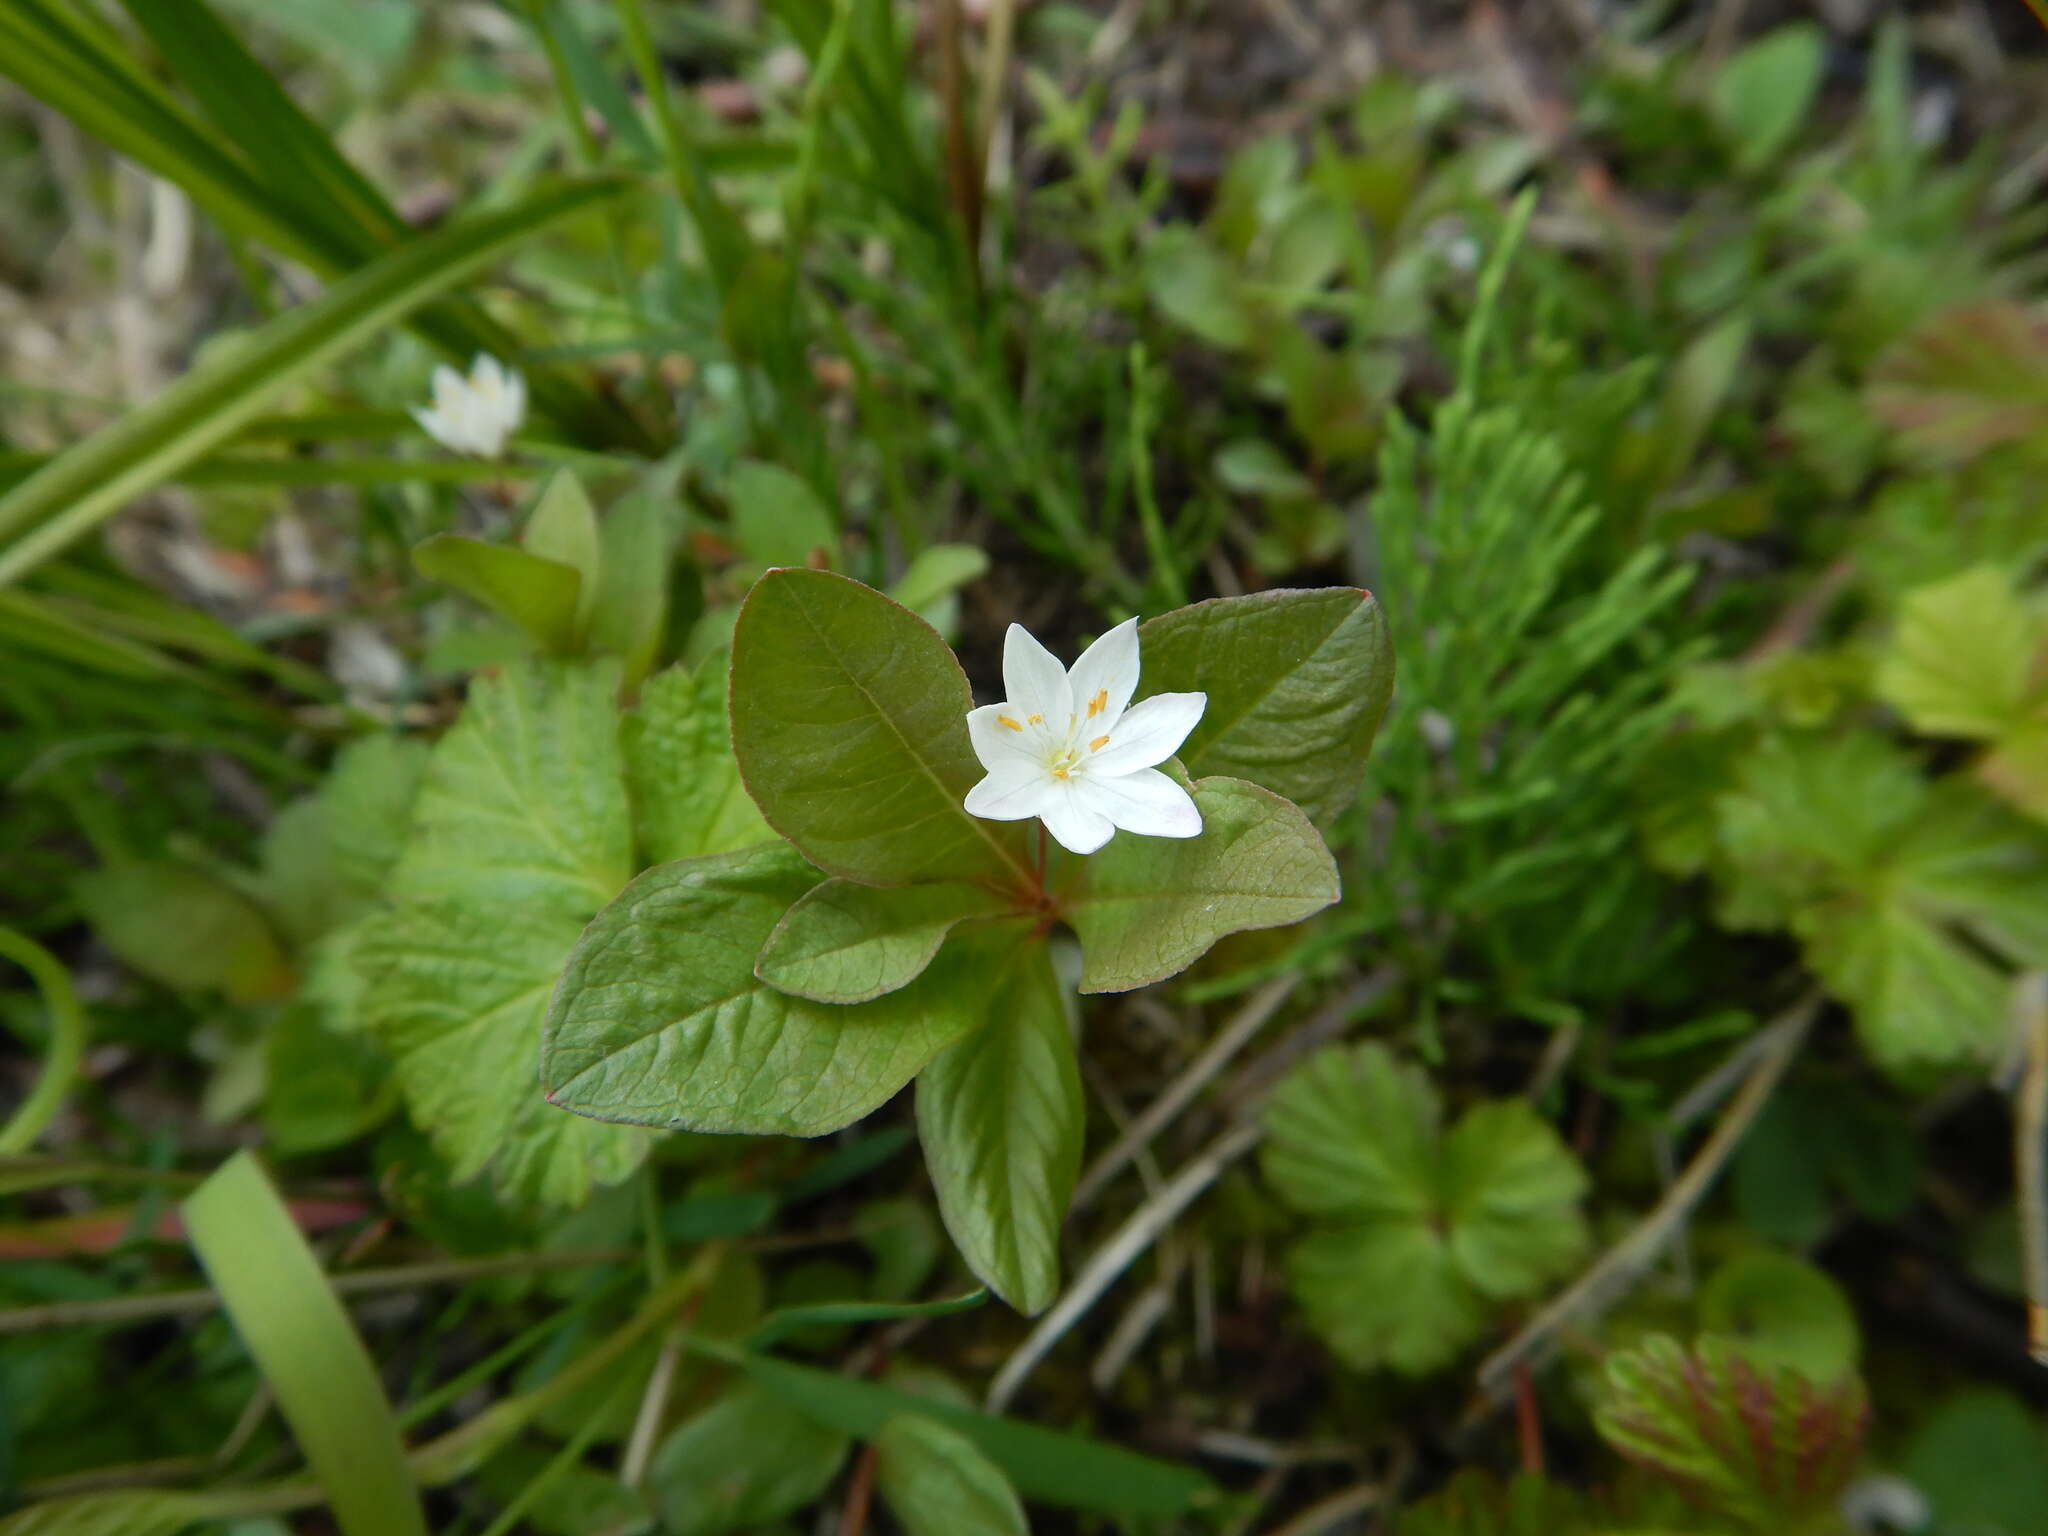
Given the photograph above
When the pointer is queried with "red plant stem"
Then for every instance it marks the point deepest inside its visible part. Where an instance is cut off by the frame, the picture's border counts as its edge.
(859, 1490)
(1528, 1423)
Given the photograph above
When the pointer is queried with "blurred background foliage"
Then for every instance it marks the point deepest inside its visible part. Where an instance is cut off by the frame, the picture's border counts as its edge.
(1652, 1140)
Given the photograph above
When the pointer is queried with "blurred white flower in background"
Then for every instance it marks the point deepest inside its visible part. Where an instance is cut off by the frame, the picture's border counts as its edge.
(477, 414)
(1885, 1503)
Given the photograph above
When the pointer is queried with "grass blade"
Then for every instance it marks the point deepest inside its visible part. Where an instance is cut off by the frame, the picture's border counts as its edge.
(88, 483)
(295, 1327)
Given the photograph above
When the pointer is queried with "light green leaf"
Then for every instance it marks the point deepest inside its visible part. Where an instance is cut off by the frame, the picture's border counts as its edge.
(2017, 768)
(1762, 94)
(746, 1461)
(293, 1324)
(1001, 1118)
(1148, 907)
(660, 1020)
(1512, 1189)
(1959, 662)
(1919, 996)
(1190, 283)
(1982, 1460)
(1354, 1134)
(541, 596)
(685, 783)
(1778, 1310)
(563, 529)
(1386, 1294)
(91, 481)
(1251, 466)
(849, 716)
(520, 835)
(846, 943)
(938, 1483)
(324, 1087)
(631, 614)
(777, 519)
(368, 800)
(937, 572)
(183, 928)
(1298, 682)
(1426, 1230)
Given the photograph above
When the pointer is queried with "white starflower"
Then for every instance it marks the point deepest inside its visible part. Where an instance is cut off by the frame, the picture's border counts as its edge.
(477, 414)
(1066, 748)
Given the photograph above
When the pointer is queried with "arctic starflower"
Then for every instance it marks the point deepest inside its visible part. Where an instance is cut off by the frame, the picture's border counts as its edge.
(1068, 748)
(477, 414)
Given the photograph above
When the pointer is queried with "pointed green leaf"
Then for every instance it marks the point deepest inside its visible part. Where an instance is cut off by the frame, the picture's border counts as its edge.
(1763, 93)
(541, 596)
(563, 529)
(937, 573)
(849, 716)
(660, 1020)
(635, 574)
(777, 519)
(181, 927)
(520, 834)
(1298, 682)
(938, 1483)
(1960, 661)
(685, 783)
(1001, 1118)
(846, 943)
(1146, 908)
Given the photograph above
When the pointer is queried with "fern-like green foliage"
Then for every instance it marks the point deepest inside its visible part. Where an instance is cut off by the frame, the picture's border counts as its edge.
(1763, 1446)
(1420, 1231)
(1533, 665)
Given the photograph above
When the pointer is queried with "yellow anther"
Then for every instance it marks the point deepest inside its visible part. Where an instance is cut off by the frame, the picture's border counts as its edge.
(1098, 744)
(1006, 720)
(1099, 703)
(1059, 773)
(1034, 719)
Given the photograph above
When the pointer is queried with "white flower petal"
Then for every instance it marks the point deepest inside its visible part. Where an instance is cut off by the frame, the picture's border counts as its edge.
(1035, 681)
(1146, 802)
(449, 387)
(1011, 792)
(1075, 825)
(1148, 735)
(997, 744)
(1105, 677)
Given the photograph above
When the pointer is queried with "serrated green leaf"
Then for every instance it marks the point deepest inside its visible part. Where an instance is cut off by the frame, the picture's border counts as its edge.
(845, 943)
(541, 596)
(1511, 1190)
(1001, 1118)
(1298, 682)
(520, 835)
(685, 783)
(1964, 381)
(937, 1482)
(1146, 908)
(1354, 1134)
(849, 717)
(368, 799)
(1427, 1230)
(181, 927)
(777, 519)
(1960, 660)
(1386, 1294)
(563, 529)
(660, 1020)
(747, 1460)
(1759, 1445)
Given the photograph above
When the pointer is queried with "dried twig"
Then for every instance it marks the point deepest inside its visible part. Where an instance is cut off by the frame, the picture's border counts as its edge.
(1621, 1266)
(1116, 1255)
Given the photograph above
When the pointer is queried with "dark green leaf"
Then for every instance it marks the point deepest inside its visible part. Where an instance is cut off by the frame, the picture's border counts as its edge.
(747, 1460)
(846, 943)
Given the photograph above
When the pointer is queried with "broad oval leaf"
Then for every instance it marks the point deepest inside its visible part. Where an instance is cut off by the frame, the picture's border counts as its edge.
(1146, 908)
(849, 717)
(1001, 1118)
(1298, 681)
(660, 1020)
(844, 943)
(938, 1483)
(850, 730)
(745, 1462)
